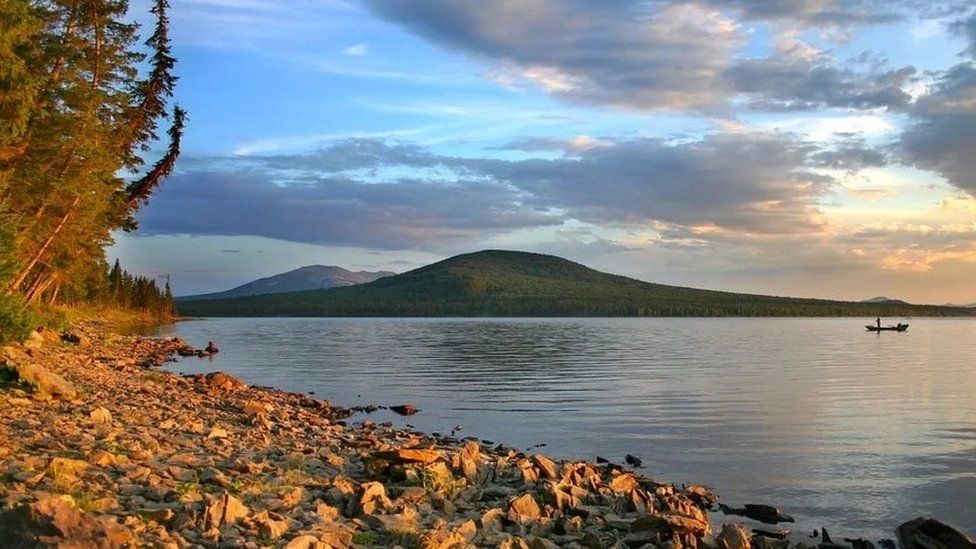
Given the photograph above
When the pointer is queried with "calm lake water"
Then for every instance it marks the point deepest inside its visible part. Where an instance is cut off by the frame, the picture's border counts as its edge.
(840, 427)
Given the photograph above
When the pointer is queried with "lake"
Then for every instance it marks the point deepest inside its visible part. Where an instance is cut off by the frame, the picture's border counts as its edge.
(842, 428)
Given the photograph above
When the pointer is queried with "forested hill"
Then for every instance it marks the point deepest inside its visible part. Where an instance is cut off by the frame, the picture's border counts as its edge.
(505, 283)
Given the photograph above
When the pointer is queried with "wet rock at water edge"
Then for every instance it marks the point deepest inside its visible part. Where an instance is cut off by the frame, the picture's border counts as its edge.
(633, 460)
(405, 409)
(763, 513)
(929, 533)
(733, 536)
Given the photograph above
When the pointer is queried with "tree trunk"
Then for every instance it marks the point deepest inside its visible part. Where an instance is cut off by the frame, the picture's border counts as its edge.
(54, 294)
(47, 243)
(38, 288)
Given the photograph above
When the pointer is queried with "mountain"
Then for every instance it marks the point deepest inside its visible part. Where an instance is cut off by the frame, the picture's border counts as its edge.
(312, 277)
(507, 283)
(883, 299)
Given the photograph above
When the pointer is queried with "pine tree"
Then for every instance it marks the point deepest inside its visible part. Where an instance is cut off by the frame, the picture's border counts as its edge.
(75, 114)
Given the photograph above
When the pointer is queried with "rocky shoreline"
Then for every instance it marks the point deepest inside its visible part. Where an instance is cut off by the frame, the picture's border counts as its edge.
(98, 448)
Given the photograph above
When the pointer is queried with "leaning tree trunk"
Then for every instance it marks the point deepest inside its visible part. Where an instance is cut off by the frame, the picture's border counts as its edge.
(22, 276)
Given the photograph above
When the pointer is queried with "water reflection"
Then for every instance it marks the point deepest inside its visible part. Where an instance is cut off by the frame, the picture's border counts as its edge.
(843, 428)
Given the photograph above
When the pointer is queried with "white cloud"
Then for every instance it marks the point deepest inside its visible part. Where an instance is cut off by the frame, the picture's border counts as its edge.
(357, 49)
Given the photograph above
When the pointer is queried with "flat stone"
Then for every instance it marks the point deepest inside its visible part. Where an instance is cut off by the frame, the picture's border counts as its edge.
(410, 455)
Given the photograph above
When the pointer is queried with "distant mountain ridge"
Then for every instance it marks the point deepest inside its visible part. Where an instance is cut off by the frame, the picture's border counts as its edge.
(883, 299)
(510, 283)
(310, 277)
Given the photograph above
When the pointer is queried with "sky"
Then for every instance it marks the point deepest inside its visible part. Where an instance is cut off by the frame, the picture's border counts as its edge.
(820, 148)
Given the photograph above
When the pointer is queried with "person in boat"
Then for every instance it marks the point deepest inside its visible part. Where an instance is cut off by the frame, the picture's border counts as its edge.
(878, 320)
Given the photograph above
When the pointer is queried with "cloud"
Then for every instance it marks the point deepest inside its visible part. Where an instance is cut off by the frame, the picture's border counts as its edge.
(966, 27)
(942, 137)
(616, 53)
(574, 145)
(735, 182)
(357, 49)
(851, 154)
(661, 55)
(333, 210)
(869, 194)
(798, 77)
(389, 195)
(817, 12)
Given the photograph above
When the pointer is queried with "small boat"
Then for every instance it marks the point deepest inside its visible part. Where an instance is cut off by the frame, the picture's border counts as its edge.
(897, 328)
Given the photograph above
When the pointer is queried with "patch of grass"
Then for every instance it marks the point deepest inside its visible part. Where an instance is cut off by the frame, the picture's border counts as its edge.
(404, 538)
(156, 377)
(543, 497)
(365, 538)
(295, 477)
(85, 500)
(114, 447)
(189, 486)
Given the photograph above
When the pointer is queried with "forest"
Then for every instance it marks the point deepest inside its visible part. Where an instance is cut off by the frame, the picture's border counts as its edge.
(511, 283)
(85, 100)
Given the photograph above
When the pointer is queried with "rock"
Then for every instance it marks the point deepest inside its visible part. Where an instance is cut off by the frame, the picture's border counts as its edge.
(45, 381)
(763, 513)
(733, 536)
(253, 408)
(633, 460)
(224, 382)
(77, 338)
(929, 533)
(62, 466)
(217, 432)
(523, 509)
(100, 415)
(671, 524)
(405, 409)
(624, 483)
(641, 539)
(491, 520)
(306, 542)
(763, 542)
(410, 455)
(34, 340)
(371, 499)
(546, 465)
(326, 512)
(223, 510)
(860, 543)
(702, 496)
(269, 527)
(57, 521)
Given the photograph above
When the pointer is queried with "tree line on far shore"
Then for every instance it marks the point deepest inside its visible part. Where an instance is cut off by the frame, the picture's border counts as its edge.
(83, 103)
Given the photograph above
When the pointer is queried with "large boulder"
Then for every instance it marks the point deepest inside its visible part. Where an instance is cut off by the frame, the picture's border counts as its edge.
(56, 521)
(224, 382)
(929, 533)
(733, 536)
(43, 381)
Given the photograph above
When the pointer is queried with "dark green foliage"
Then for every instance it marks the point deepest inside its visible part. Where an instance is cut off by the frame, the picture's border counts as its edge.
(129, 292)
(503, 283)
(75, 115)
